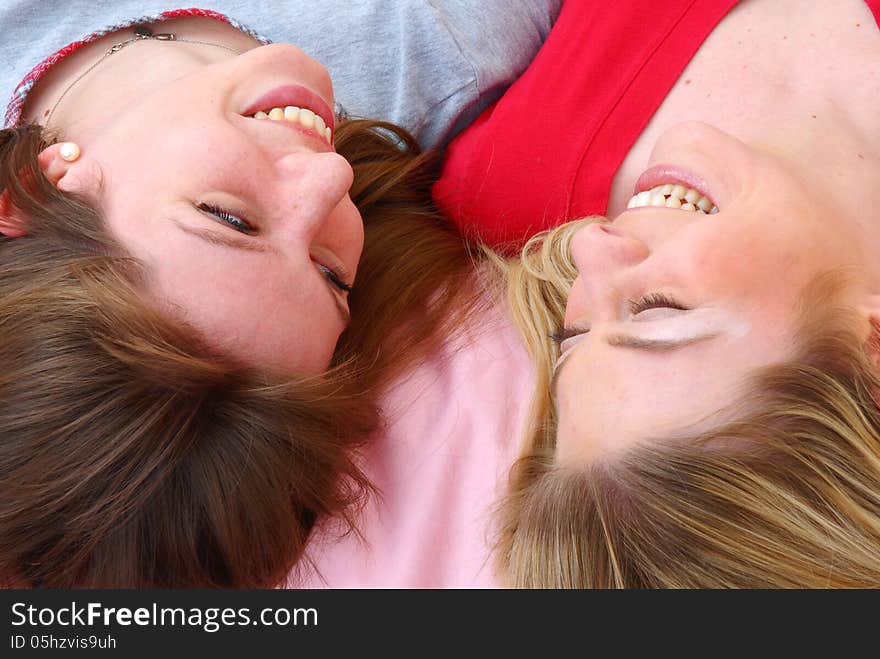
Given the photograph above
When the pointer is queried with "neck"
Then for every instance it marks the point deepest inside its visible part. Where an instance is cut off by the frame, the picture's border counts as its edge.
(842, 145)
(114, 80)
(761, 68)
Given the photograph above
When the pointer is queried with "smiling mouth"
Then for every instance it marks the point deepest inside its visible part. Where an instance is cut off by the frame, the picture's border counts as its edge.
(302, 117)
(674, 195)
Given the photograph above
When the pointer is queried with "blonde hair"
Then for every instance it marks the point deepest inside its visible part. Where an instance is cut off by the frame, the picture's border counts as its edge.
(537, 284)
(787, 495)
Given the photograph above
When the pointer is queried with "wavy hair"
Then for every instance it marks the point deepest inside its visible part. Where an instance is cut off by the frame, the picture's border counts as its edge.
(785, 495)
(134, 455)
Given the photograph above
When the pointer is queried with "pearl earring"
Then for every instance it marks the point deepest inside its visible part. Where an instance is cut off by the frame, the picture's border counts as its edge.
(69, 151)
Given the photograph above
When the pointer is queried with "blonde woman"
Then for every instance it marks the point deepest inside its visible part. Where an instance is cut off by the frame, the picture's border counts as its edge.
(703, 417)
(712, 419)
(729, 439)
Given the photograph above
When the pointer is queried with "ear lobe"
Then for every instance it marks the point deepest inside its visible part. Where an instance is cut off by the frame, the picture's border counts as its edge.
(59, 164)
(870, 310)
(53, 164)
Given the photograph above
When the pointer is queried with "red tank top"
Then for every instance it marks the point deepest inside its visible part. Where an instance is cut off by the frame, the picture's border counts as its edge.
(547, 150)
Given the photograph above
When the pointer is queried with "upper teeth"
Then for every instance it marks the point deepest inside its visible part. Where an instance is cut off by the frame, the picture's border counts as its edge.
(305, 117)
(674, 196)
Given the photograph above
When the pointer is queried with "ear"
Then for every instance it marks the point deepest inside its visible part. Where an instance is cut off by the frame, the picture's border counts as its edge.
(69, 174)
(55, 167)
(869, 309)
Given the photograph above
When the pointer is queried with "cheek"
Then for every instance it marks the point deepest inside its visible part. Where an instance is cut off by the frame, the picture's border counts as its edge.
(739, 267)
(262, 316)
(725, 257)
(194, 156)
(276, 333)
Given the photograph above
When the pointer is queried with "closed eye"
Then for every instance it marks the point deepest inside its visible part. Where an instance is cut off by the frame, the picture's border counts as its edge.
(334, 278)
(567, 337)
(654, 301)
(562, 334)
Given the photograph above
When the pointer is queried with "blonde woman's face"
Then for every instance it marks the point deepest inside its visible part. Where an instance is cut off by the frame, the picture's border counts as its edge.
(245, 224)
(673, 308)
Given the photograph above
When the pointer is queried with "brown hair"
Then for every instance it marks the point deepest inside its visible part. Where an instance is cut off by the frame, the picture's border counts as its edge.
(131, 453)
(787, 495)
(415, 279)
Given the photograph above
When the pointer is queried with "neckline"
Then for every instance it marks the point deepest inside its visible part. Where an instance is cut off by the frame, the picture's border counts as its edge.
(16, 104)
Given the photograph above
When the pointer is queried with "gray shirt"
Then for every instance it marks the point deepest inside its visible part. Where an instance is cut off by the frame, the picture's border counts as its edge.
(428, 65)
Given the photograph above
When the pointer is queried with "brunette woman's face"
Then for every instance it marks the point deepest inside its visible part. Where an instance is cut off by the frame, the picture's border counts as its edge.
(245, 224)
(672, 308)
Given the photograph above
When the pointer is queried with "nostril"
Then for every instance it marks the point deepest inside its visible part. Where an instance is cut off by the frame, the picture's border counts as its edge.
(607, 228)
(601, 245)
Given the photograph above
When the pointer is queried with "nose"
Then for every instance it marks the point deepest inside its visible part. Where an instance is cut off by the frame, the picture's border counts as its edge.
(600, 250)
(314, 186)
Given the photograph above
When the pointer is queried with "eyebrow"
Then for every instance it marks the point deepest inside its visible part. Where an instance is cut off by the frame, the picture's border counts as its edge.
(627, 341)
(223, 238)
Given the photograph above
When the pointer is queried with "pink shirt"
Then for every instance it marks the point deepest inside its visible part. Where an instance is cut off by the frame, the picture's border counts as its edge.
(454, 428)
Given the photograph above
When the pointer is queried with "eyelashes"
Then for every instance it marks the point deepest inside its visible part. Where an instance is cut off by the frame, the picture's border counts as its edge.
(563, 333)
(654, 301)
(334, 279)
(635, 306)
(240, 223)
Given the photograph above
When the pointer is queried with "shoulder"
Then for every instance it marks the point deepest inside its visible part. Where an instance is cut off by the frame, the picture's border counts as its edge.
(428, 65)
